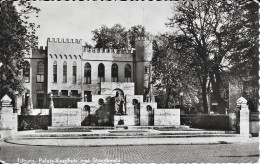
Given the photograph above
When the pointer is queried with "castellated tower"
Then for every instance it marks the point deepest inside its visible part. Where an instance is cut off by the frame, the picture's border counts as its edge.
(143, 68)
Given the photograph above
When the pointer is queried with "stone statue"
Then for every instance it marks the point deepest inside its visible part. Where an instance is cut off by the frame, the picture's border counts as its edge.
(119, 102)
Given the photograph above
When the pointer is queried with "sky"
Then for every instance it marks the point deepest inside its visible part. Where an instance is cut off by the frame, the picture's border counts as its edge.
(76, 20)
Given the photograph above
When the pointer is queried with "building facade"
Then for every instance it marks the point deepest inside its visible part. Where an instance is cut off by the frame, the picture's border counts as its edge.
(70, 73)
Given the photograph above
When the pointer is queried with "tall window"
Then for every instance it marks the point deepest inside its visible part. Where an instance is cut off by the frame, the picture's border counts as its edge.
(87, 73)
(65, 72)
(114, 72)
(101, 72)
(26, 72)
(40, 98)
(74, 72)
(55, 72)
(128, 73)
(40, 72)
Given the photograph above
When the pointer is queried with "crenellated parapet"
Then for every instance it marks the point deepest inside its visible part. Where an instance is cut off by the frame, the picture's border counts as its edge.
(38, 52)
(63, 40)
(108, 50)
(41, 48)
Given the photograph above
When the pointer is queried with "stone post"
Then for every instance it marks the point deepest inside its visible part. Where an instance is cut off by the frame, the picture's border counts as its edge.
(244, 117)
(8, 119)
(51, 107)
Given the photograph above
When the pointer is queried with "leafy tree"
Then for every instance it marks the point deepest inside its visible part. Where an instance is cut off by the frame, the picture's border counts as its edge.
(117, 37)
(172, 80)
(135, 32)
(165, 71)
(17, 37)
(209, 33)
(87, 45)
(114, 37)
(245, 65)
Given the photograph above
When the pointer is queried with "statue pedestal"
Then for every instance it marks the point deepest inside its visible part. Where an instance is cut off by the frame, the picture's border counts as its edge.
(124, 120)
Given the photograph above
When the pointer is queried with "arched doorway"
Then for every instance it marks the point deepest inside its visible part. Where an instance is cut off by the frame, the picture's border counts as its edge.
(87, 120)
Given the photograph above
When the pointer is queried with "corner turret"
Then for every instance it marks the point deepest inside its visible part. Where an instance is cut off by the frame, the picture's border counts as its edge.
(143, 68)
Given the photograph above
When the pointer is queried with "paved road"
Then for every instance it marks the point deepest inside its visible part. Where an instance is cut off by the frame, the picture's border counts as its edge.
(222, 153)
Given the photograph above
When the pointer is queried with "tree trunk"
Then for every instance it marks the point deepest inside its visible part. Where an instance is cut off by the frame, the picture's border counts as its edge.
(216, 82)
(204, 98)
(168, 93)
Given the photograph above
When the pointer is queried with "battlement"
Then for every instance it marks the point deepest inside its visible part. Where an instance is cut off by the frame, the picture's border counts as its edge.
(41, 48)
(107, 50)
(146, 38)
(62, 40)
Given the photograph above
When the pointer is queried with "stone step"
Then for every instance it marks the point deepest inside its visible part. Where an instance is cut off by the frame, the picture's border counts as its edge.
(80, 127)
(158, 127)
(119, 127)
(129, 136)
(124, 133)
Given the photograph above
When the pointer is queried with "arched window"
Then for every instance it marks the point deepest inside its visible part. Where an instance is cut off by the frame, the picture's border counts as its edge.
(87, 73)
(114, 73)
(74, 72)
(55, 72)
(26, 72)
(127, 73)
(40, 72)
(65, 72)
(101, 72)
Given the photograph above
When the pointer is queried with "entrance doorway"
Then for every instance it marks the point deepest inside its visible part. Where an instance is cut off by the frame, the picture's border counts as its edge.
(87, 120)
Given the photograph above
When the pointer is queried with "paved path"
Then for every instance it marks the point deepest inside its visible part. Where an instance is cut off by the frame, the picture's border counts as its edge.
(221, 153)
(133, 141)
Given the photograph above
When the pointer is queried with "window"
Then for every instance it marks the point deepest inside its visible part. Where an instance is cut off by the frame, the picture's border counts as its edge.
(87, 73)
(65, 72)
(55, 92)
(114, 72)
(40, 98)
(40, 72)
(55, 72)
(128, 73)
(74, 93)
(101, 72)
(26, 72)
(64, 92)
(74, 72)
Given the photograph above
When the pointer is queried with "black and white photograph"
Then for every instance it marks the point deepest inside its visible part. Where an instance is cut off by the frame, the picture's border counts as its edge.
(129, 81)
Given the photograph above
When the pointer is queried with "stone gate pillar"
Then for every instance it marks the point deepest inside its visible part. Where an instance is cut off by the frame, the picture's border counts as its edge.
(8, 119)
(244, 117)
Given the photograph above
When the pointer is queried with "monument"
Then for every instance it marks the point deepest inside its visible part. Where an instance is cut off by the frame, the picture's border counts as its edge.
(117, 105)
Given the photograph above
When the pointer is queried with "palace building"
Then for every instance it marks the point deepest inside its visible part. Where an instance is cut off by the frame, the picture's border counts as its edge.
(69, 73)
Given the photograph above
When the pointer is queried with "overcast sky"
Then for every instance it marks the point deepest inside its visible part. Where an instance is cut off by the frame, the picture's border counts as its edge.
(76, 20)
